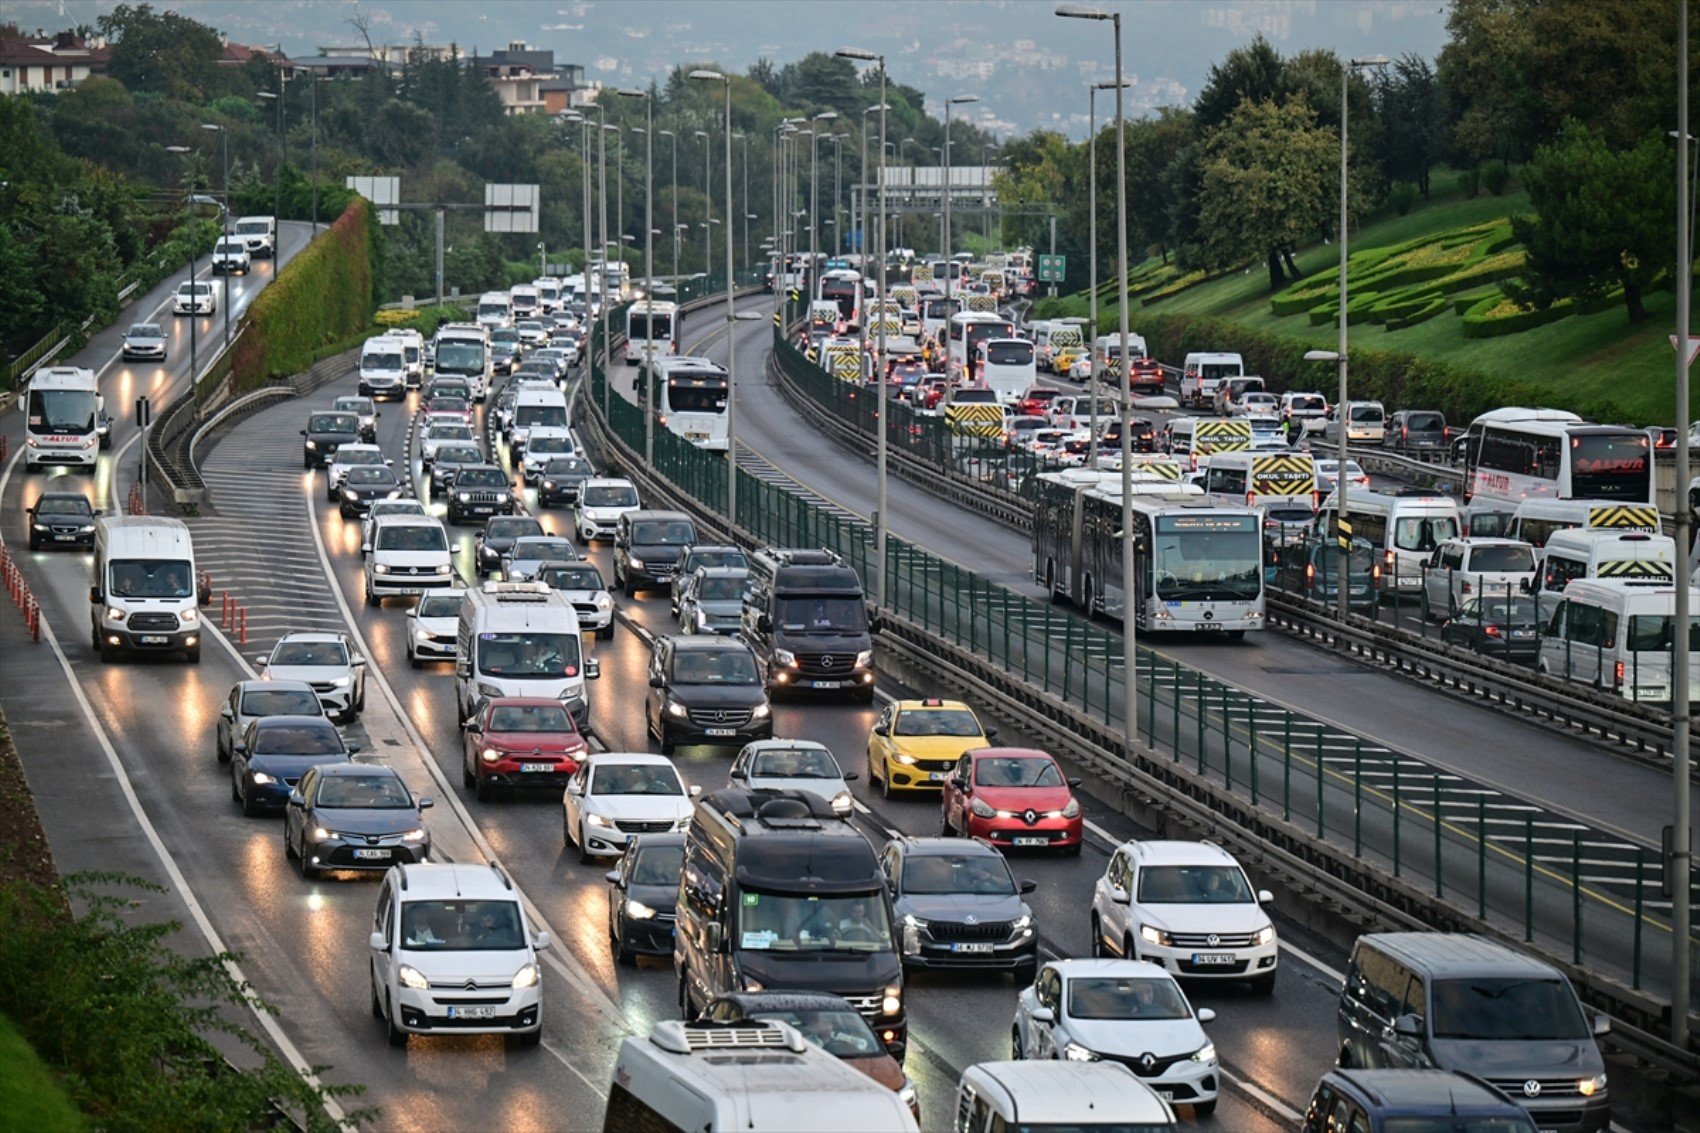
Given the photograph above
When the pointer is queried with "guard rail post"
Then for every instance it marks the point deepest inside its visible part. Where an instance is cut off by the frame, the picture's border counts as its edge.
(1434, 819)
(1398, 806)
(1576, 894)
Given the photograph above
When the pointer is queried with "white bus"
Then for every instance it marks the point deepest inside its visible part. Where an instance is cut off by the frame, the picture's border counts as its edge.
(1403, 530)
(936, 311)
(1199, 564)
(968, 329)
(690, 399)
(1009, 366)
(1543, 454)
(463, 351)
(495, 309)
(62, 418)
(652, 328)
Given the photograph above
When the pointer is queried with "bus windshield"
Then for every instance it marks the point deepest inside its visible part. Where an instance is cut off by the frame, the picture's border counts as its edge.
(697, 395)
(1610, 467)
(1009, 353)
(460, 358)
(1208, 557)
(651, 327)
(61, 411)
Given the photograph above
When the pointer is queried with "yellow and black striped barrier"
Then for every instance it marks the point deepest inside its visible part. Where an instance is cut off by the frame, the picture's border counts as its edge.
(1222, 436)
(1283, 474)
(1344, 527)
(1638, 517)
(778, 319)
(974, 420)
(1635, 568)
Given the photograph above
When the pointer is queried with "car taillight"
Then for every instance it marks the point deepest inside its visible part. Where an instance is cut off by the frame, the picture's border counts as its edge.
(1617, 675)
(1310, 575)
(1491, 631)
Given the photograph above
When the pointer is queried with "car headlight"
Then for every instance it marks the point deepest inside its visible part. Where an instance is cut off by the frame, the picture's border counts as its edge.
(189, 616)
(634, 562)
(488, 690)
(1205, 1054)
(637, 910)
(312, 444)
(597, 820)
(892, 1002)
(904, 758)
(784, 657)
(1588, 1087)
(114, 614)
(864, 658)
(86, 529)
(465, 497)
(761, 712)
(1155, 936)
(380, 568)
(501, 497)
(261, 778)
(416, 835)
(320, 834)
(526, 976)
(1022, 923)
(1264, 935)
(843, 803)
(1074, 1052)
(906, 1094)
(490, 755)
(411, 976)
(1072, 810)
(340, 682)
(753, 984)
(981, 809)
(674, 708)
(350, 494)
(604, 602)
(422, 635)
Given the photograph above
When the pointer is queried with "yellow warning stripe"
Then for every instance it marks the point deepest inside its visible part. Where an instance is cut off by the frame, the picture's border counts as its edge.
(1634, 568)
(975, 420)
(1638, 517)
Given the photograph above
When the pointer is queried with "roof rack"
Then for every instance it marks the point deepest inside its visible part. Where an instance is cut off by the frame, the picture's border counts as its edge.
(503, 874)
(687, 1038)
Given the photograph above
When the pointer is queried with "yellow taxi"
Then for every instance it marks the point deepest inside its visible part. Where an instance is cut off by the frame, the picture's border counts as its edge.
(1064, 358)
(915, 743)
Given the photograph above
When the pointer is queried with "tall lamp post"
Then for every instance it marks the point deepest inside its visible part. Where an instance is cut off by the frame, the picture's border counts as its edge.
(194, 320)
(1681, 864)
(583, 122)
(837, 141)
(647, 377)
(949, 263)
(707, 202)
(673, 219)
(1092, 260)
(224, 227)
(985, 187)
(814, 202)
(881, 592)
(1130, 592)
(282, 147)
(731, 314)
(744, 152)
(603, 246)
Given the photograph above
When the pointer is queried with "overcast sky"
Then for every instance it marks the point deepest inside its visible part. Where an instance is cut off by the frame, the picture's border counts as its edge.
(1029, 68)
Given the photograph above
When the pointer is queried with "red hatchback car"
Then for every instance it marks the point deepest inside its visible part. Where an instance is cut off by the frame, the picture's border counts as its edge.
(521, 741)
(1015, 798)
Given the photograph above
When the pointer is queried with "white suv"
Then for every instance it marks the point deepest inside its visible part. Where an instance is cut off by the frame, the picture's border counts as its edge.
(1187, 907)
(197, 298)
(453, 953)
(325, 661)
(601, 502)
(407, 555)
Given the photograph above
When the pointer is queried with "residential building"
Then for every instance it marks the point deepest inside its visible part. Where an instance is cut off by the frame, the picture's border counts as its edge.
(53, 63)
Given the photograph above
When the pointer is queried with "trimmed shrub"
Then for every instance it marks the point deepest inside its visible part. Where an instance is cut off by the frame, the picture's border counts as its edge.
(1428, 309)
(1401, 197)
(1499, 314)
(1470, 182)
(1175, 287)
(1495, 176)
(1462, 303)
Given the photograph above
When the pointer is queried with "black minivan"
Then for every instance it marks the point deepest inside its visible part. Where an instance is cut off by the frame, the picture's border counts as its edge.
(1394, 1101)
(646, 548)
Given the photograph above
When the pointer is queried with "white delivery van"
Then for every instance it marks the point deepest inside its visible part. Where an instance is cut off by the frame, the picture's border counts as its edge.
(383, 368)
(143, 591)
(412, 353)
(541, 407)
(747, 1077)
(1202, 371)
(407, 555)
(1366, 423)
(1575, 553)
(525, 302)
(1082, 1097)
(1107, 353)
(1617, 634)
(1478, 567)
(1191, 438)
(521, 639)
(495, 310)
(260, 234)
(1404, 530)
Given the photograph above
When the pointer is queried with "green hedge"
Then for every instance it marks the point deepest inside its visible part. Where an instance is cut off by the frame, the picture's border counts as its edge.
(1434, 305)
(323, 296)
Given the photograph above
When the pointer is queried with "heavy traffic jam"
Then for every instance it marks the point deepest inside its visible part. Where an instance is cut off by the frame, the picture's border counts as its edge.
(794, 937)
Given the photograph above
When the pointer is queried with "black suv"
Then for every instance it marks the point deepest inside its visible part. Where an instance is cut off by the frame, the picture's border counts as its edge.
(960, 907)
(1379, 1100)
(325, 433)
(646, 548)
(482, 490)
(706, 690)
(562, 477)
(498, 538)
(61, 519)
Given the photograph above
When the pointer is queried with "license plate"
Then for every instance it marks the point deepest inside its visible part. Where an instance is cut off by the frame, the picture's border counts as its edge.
(973, 947)
(1213, 959)
(63, 538)
(153, 639)
(1030, 841)
(937, 776)
(720, 731)
(1522, 634)
(537, 767)
(472, 1012)
(1207, 625)
(822, 684)
(371, 855)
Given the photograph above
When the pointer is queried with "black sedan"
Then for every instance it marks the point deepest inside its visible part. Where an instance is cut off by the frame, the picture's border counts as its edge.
(1507, 628)
(706, 690)
(960, 907)
(325, 433)
(646, 893)
(562, 478)
(365, 484)
(272, 755)
(498, 538)
(61, 519)
(354, 816)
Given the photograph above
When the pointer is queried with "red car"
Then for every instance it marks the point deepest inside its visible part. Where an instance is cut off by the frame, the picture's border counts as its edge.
(1014, 798)
(521, 741)
(1036, 402)
(1145, 373)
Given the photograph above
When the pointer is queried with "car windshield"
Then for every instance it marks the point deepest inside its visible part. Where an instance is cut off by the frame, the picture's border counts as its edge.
(568, 466)
(461, 454)
(447, 405)
(297, 739)
(504, 336)
(957, 873)
(356, 405)
(312, 652)
(358, 456)
(516, 527)
(1516, 611)
(1026, 771)
(841, 1032)
(657, 865)
(63, 505)
(365, 792)
(397, 507)
(538, 446)
(730, 557)
(1532, 1010)
(333, 423)
(280, 702)
(663, 533)
(449, 433)
(937, 722)
(528, 656)
(1098, 997)
(380, 475)
(462, 926)
(439, 606)
(776, 922)
(609, 496)
(537, 550)
(1510, 560)
(723, 588)
(821, 614)
(1193, 885)
(412, 537)
(146, 330)
(585, 577)
(794, 763)
(1423, 533)
(530, 718)
(151, 578)
(714, 667)
(634, 779)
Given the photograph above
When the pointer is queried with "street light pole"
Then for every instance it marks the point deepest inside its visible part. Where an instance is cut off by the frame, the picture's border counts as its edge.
(1092, 260)
(949, 263)
(707, 202)
(647, 377)
(1681, 863)
(224, 227)
(731, 315)
(282, 148)
(602, 284)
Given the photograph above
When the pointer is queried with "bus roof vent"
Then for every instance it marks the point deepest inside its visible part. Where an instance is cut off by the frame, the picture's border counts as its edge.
(517, 592)
(685, 1038)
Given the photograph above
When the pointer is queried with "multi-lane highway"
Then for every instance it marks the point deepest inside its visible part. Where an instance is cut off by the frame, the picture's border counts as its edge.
(121, 761)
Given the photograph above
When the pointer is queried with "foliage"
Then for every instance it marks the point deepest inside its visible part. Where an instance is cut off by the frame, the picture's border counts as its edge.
(130, 1024)
(1495, 176)
(1401, 197)
(163, 53)
(1470, 181)
(1408, 102)
(1603, 219)
(322, 296)
(30, 1096)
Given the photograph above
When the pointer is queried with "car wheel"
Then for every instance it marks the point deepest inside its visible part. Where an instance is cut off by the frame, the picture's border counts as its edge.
(1128, 951)
(235, 787)
(1204, 1109)
(606, 633)
(946, 830)
(377, 1007)
(288, 846)
(307, 870)
(667, 744)
(468, 777)
(1074, 850)
(1098, 952)
(249, 810)
(566, 832)
(222, 752)
(107, 652)
(413, 661)
(1264, 984)
(686, 1011)
(584, 855)
(35, 544)
(482, 788)
(395, 1034)
(622, 955)
(360, 702)
(526, 1038)
(372, 599)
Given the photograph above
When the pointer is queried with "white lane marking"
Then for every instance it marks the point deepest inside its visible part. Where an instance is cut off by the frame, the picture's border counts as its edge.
(573, 974)
(267, 1019)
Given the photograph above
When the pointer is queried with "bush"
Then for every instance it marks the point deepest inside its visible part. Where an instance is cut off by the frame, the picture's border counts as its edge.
(1401, 197)
(1412, 315)
(1470, 182)
(1496, 175)
(1500, 314)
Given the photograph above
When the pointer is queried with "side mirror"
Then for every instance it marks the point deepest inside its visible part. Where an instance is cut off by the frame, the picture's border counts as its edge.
(1526, 585)
(612, 877)
(737, 773)
(239, 746)
(655, 681)
(303, 432)
(357, 662)
(1026, 886)
(353, 749)
(377, 943)
(1602, 1025)
(94, 595)
(1074, 782)
(713, 936)
(474, 728)
(1043, 1015)
(1408, 1026)
(1264, 897)
(959, 782)
(696, 792)
(541, 941)
(764, 623)
(882, 730)
(574, 789)
(991, 733)
(875, 624)
(1118, 895)
(1206, 1015)
(296, 799)
(592, 669)
(852, 776)
(262, 659)
(463, 668)
(427, 803)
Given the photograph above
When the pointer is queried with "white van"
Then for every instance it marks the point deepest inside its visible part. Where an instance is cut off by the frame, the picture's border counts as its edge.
(407, 555)
(1056, 1094)
(412, 353)
(1536, 521)
(1616, 634)
(525, 301)
(1282, 484)
(521, 639)
(1479, 567)
(1107, 354)
(1202, 371)
(259, 233)
(549, 294)
(1575, 553)
(538, 408)
(1366, 423)
(746, 1077)
(383, 368)
(1191, 438)
(495, 310)
(142, 594)
(1404, 531)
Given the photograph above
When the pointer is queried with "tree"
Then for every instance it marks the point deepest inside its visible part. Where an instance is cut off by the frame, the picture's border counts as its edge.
(1602, 218)
(163, 52)
(1265, 175)
(1152, 147)
(1409, 103)
(1253, 73)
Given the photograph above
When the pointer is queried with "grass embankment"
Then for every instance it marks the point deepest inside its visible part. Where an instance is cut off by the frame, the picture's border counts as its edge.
(30, 1096)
